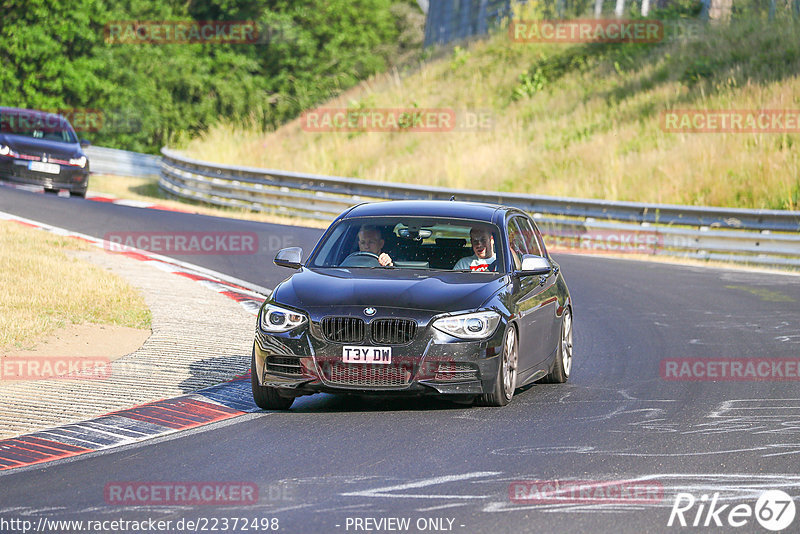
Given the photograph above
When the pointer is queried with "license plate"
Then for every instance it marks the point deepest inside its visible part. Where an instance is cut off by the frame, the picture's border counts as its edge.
(49, 168)
(351, 354)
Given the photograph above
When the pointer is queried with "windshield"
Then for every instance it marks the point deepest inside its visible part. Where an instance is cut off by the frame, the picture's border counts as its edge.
(38, 125)
(411, 243)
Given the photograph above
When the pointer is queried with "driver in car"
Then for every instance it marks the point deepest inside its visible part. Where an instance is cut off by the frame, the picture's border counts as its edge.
(483, 245)
(370, 240)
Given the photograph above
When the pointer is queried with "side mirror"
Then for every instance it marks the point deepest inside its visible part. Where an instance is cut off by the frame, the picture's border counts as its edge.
(532, 264)
(84, 143)
(289, 257)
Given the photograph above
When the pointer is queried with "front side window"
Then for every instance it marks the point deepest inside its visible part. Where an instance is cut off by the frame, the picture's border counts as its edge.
(516, 242)
(529, 236)
(411, 243)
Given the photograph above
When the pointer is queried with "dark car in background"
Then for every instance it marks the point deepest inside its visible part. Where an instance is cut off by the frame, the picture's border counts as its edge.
(41, 148)
(394, 299)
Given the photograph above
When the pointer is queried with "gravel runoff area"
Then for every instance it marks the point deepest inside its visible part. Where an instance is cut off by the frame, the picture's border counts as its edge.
(199, 338)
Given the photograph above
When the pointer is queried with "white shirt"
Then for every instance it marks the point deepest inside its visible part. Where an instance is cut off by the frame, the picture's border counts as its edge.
(473, 263)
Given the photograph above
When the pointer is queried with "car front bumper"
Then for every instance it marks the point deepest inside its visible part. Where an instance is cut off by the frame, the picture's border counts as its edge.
(433, 364)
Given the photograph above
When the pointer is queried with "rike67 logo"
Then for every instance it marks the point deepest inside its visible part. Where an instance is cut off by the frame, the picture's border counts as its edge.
(774, 510)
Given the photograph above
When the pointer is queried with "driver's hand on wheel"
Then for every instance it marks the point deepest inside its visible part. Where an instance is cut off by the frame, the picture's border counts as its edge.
(385, 260)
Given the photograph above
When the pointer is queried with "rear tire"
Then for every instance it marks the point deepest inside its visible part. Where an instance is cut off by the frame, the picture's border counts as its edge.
(81, 194)
(265, 397)
(563, 364)
(506, 380)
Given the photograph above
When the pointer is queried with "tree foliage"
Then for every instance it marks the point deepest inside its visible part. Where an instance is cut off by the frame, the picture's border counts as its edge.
(56, 56)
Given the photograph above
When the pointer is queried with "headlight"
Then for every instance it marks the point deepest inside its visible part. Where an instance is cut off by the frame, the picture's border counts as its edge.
(80, 162)
(277, 319)
(5, 150)
(476, 325)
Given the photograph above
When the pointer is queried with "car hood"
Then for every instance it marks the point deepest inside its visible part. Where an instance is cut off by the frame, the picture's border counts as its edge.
(37, 147)
(435, 291)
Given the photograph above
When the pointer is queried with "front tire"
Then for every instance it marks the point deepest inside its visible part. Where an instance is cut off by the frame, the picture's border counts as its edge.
(506, 381)
(563, 364)
(265, 397)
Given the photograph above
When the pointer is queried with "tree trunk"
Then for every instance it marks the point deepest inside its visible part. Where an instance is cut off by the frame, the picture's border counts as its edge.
(720, 10)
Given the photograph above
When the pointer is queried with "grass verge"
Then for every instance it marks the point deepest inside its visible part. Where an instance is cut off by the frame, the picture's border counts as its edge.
(43, 289)
(580, 120)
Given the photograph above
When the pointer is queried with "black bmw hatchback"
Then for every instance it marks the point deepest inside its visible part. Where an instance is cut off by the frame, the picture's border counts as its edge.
(42, 149)
(455, 299)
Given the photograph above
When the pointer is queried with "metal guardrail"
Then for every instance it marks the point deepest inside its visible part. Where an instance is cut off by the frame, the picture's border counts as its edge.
(452, 20)
(121, 162)
(738, 235)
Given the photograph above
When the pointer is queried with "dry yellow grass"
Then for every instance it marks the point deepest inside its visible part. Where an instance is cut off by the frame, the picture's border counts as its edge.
(43, 289)
(591, 131)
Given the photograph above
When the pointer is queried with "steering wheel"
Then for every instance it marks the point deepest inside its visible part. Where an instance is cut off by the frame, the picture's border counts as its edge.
(361, 258)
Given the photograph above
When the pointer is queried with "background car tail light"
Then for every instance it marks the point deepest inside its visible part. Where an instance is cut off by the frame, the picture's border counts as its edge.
(78, 162)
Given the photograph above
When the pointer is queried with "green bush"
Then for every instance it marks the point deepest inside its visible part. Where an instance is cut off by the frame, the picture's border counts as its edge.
(56, 57)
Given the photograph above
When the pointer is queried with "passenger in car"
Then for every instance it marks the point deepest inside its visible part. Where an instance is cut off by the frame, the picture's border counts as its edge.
(483, 245)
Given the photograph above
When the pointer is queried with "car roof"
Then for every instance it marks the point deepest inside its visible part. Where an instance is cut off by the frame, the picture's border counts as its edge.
(427, 208)
(29, 111)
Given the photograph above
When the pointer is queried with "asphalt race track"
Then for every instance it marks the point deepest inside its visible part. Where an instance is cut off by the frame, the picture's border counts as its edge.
(448, 468)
